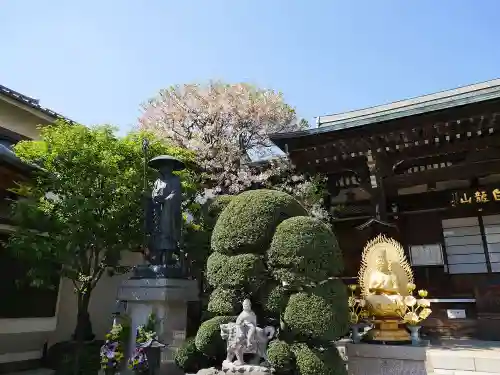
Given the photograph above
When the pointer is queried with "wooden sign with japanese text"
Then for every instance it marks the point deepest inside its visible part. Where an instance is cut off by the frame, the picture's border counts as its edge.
(479, 196)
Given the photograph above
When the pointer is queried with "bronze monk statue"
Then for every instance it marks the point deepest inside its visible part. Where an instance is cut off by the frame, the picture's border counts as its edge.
(163, 218)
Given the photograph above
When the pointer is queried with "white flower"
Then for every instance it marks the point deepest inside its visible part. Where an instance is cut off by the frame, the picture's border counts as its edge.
(425, 313)
(424, 302)
(411, 318)
(410, 301)
(351, 301)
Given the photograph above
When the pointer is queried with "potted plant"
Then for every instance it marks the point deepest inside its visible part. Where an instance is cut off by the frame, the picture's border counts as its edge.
(416, 311)
(357, 314)
(112, 352)
(147, 353)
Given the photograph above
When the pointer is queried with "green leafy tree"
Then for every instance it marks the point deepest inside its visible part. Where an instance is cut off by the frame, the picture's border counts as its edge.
(85, 205)
(267, 248)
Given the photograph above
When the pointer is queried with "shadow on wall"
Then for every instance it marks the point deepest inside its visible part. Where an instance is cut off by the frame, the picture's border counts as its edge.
(102, 304)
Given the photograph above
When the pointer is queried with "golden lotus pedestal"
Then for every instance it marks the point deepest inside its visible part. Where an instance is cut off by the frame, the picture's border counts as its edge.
(389, 331)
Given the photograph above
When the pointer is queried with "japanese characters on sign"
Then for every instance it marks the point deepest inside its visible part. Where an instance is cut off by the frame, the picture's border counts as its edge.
(479, 196)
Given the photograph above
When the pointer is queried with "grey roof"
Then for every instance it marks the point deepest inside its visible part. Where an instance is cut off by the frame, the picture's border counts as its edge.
(475, 93)
(427, 103)
(9, 157)
(32, 103)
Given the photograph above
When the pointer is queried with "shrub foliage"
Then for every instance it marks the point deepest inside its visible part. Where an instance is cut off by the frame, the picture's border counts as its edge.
(265, 247)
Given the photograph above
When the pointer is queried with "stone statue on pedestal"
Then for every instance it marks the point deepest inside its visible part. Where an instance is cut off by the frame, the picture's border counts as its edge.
(244, 337)
(164, 221)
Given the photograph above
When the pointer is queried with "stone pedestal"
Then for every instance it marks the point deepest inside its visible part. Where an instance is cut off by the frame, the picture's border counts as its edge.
(167, 299)
(370, 359)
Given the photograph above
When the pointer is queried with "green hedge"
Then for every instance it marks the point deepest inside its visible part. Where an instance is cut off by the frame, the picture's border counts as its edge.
(315, 362)
(281, 357)
(236, 271)
(248, 223)
(273, 299)
(213, 208)
(61, 358)
(321, 313)
(304, 249)
(188, 358)
(208, 339)
(224, 301)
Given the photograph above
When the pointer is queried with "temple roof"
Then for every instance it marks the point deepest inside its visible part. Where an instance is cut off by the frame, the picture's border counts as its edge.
(476, 93)
(7, 156)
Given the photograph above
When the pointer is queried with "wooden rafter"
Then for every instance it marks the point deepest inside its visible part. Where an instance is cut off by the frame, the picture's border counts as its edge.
(463, 171)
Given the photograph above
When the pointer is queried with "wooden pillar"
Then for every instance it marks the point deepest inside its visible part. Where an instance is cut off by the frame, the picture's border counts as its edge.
(380, 223)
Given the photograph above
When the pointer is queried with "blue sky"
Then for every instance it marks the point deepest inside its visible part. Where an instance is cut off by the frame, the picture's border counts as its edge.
(96, 61)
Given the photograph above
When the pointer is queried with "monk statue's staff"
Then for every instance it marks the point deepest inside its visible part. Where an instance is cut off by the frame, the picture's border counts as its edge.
(145, 147)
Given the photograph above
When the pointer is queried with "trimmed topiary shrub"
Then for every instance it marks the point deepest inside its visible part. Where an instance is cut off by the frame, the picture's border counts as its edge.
(188, 358)
(269, 228)
(248, 222)
(304, 249)
(214, 207)
(311, 361)
(224, 301)
(208, 339)
(281, 357)
(315, 314)
(237, 271)
(274, 298)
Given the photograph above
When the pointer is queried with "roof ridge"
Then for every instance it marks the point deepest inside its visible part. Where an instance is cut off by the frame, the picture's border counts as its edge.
(400, 104)
(32, 103)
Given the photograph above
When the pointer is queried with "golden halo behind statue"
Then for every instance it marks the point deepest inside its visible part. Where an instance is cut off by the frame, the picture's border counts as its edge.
(393, 253)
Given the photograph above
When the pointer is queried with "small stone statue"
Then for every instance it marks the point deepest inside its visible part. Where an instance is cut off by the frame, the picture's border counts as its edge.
(244, 337)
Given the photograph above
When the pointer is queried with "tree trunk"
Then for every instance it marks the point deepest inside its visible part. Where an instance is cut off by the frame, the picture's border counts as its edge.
(83, 330)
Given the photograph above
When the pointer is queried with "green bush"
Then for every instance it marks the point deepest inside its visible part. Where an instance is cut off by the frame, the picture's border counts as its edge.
(208, 339)
(304, 249)
(274, 299)
(188, 358)
(321, 313)
(281, 357)
(315, 362)
(236, 271)
(224, 301)
(61, 358)
(214, 207)
(248, 222)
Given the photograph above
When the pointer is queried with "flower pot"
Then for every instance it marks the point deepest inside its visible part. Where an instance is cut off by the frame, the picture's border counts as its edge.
(414, 334)
(356, 334)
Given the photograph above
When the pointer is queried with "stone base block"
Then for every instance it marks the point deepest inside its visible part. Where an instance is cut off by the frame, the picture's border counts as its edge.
(167, 299)
(164, 290)
(230, 367)
(368, 359)
(239, 370)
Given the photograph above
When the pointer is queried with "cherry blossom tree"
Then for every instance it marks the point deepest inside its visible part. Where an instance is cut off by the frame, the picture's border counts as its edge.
(224, 124)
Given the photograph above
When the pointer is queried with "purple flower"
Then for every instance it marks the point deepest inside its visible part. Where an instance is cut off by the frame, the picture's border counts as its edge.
(108, 350)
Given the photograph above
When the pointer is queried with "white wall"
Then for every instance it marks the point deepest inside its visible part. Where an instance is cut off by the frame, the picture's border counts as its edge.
(20, 121)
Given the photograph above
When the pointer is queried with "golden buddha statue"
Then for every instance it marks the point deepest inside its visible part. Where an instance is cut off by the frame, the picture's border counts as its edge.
(383, 277)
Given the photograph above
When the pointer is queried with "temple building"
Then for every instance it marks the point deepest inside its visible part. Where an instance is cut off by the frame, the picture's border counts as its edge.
(425, 171)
